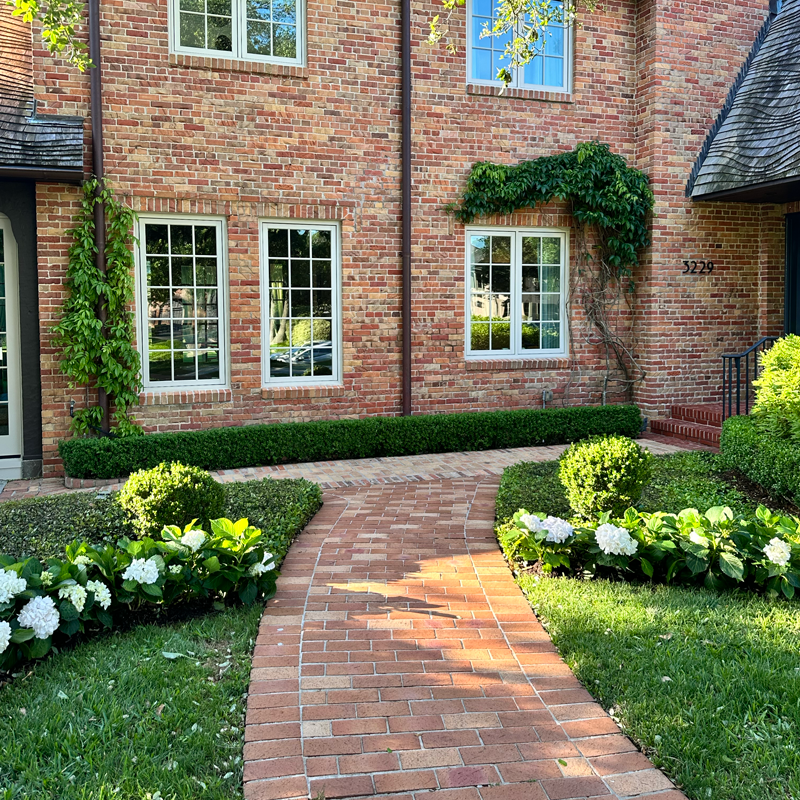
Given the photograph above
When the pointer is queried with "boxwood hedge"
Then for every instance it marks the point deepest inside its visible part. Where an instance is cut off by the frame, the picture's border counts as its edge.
(769, 461)
(282, 443)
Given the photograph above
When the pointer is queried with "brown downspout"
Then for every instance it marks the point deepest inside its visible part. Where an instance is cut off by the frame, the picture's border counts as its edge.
(96, 85)
(406, 193)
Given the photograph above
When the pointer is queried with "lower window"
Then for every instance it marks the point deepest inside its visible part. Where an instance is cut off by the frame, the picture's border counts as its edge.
(300, 302)
(183, 330)
(516, 294)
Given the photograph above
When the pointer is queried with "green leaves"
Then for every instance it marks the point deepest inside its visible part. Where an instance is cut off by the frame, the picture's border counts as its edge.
(731, 565)
(94, 354)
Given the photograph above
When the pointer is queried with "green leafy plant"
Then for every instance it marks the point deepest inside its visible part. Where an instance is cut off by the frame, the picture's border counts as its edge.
(97, 354)
(608, 198)
(42, 605)
(714, 549)
(170, 493)
(604, 473)
(371, 437)
(777, 406)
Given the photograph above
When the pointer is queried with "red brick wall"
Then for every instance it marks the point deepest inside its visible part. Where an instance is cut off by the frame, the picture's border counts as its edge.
(322, 142)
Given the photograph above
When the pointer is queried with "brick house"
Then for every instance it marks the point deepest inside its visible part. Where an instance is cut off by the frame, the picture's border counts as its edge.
(260, 145)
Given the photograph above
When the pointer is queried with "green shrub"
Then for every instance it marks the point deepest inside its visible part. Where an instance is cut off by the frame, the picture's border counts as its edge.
(170, 494)
(772, 462)
(531, 485)
(371, 437)
(777, 406)
(604, 473)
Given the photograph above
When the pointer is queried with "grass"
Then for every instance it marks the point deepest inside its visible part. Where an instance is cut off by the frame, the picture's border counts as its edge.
(153, 713)
(726, 725)
(116, 719)
(683, 480)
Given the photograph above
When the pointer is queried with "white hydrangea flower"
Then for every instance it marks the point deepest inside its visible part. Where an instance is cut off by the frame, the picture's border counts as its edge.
(266, 565)
(141, 571)
(10, 585)
(75, 593)
(47, 578)
(193, 540)
(778, 552)
(5, 636)
(558, 530)
(176, 569)
(82, 560)
(531, 522)
(695, 537)
(41, 614)
(102, 594)
(615, 541)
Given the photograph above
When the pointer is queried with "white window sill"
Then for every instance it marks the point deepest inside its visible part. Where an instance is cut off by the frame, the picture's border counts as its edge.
(506, 363)
(545, 95)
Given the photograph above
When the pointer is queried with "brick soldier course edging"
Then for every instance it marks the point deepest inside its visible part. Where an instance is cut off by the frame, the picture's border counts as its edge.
(400, 660)
(357, 472)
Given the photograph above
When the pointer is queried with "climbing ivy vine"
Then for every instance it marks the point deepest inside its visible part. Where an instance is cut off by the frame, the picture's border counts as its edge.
(612, 203)
(97, 355)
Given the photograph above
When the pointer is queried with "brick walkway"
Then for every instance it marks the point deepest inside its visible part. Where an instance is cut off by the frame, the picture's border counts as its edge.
(400, 660)
(369, 471)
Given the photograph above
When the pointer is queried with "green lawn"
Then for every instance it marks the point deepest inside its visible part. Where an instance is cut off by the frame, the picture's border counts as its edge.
(707, 684)
(152, 713)
(116, 719)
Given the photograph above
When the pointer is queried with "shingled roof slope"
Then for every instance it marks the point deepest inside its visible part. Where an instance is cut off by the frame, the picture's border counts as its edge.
(756, 140)
(29, 141)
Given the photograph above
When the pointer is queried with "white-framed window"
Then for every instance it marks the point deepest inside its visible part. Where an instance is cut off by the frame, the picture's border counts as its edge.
(516, 292)
(183, 298)
(550, 70)
(254, 30)
(301, 302)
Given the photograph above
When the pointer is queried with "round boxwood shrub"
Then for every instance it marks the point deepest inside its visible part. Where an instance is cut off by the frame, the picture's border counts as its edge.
(604, 473)
(171, 494)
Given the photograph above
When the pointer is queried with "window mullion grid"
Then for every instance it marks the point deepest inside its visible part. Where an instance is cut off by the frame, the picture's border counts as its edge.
(516, 295)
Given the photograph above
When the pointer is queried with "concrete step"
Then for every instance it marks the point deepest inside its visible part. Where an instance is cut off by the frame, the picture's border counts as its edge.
(705, 414)
(682, 429)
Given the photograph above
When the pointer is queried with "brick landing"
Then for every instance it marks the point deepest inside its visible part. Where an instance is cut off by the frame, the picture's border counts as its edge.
(399, 660)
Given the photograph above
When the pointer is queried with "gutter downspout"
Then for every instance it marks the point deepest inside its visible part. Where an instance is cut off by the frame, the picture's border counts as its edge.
(96, 85)
(406, 200)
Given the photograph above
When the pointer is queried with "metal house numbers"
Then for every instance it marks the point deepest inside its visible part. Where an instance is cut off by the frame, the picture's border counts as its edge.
(698, 267)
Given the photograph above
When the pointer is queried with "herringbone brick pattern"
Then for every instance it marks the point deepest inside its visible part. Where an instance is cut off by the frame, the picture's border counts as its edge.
(400, 660)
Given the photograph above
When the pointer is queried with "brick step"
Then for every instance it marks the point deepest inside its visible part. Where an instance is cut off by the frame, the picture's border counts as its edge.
(681, 429)
(707, 414)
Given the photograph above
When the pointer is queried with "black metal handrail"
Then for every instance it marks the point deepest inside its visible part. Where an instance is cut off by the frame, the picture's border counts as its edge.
(733, 376)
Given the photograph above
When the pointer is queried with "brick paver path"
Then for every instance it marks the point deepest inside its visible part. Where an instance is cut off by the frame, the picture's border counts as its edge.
(400, 660)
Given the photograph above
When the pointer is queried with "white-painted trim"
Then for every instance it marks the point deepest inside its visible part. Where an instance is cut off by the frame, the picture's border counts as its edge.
(223, 275)
(516, 351)
(11, 445)
(519, 73)
(10, 469)
(336, 305)
(238, 37)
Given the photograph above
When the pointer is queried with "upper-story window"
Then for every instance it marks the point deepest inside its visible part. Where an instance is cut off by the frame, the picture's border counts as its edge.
(549, 70)
(257, 30)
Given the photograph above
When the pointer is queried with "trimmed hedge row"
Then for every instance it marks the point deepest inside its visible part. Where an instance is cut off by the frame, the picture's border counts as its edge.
(372, 437)
(771, 462)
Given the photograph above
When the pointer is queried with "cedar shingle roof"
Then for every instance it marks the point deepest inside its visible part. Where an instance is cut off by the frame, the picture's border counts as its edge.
(30, 142)
(753, 149)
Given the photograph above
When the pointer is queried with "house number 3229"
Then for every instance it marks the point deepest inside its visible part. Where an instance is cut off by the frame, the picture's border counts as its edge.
(698, 267)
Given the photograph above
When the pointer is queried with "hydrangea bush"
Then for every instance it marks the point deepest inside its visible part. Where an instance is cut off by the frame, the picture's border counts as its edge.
(714, 549)
(42, 605)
